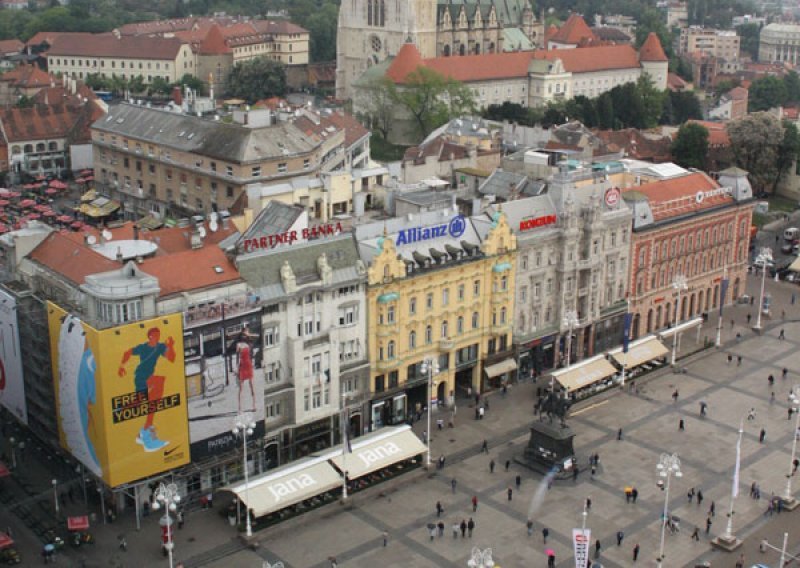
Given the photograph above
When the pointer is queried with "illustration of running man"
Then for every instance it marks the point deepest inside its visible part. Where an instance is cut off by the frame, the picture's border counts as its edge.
(148, 385)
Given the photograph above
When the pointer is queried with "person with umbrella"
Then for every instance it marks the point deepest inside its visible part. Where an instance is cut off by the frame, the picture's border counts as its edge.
(551, 557)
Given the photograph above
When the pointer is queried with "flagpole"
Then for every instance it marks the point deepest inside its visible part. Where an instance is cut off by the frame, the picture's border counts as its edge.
(625, 339)
(345, 443)
(721, 303)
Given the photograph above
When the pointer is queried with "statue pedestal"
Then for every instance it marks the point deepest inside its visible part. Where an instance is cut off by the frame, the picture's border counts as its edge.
(549, 448)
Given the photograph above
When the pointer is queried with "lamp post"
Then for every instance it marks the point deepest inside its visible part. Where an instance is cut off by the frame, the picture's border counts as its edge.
(728, 541)
(570, 321)
(55, 494)
(763, 260)
(430, 367)
(245, 425)
(13, 453)
(794, 402)
(680, 284)
(668, 465)
(167, 496)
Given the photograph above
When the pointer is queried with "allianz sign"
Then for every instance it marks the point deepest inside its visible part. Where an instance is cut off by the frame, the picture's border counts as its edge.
(378, 453)
(287, 488)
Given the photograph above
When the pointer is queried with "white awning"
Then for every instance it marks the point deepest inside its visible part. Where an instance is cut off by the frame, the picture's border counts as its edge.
(383, 448)
(680, 328)
(584, 373)
(639, 352)
(501, 368)
(287, 485)
(795, 266)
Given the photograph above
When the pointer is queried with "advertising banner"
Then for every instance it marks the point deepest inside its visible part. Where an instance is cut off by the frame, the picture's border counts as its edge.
(12, 386)
(120, 395)
(224, 375)
(580, 545)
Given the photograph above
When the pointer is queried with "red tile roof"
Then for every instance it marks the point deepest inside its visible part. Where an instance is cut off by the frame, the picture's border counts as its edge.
(574, 31)
(717, 132)
(339, 120)
(40, 122)
(739, 94)
(652, 50)
(675, 82)
(406, 62)
(191, 270)
(27, 76)
(72, 260)
(8, 46)
(213, 43)
(678, 196)
(107, 45)
(588, 59)
(48, 38)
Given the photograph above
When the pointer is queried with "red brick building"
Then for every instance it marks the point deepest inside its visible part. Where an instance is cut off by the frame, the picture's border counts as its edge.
(690, 225)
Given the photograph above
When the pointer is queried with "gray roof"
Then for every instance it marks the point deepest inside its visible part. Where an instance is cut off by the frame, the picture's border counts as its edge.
(427, 197)
(223, 141)
(274, 219)
(262, 269)
(500, 183)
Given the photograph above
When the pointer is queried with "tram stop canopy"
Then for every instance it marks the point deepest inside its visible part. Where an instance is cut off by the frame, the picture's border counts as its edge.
(585, 373)
(639, 352)
(376, 451)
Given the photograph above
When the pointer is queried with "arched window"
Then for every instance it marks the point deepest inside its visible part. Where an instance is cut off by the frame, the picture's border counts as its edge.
(475, 320)
(40, 147)
(391, 349)
(502, 316)
(444, 329)
(16, 149)
(428, 335)
(52, 146)
(477, 48)
(462, 49)
(460, 325)
(28, 148)
(412, 340)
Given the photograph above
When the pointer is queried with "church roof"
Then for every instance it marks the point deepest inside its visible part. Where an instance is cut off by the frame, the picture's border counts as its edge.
(573, 31)
(406, 61)
(213, 43)
(509, 12)
(651, 49)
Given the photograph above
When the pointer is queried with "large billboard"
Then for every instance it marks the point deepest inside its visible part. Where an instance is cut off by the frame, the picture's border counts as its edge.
(120, 395)
(224, 374)
(12, 385)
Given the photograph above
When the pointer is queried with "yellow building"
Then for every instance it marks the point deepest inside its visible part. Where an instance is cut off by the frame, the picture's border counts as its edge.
(440, 287)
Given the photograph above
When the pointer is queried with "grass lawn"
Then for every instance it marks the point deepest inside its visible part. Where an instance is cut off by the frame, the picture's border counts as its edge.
(760, 219)
(778, 203)
(384, 151)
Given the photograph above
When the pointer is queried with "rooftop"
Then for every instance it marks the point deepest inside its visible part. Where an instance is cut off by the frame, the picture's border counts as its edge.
(108, 45)
(681, 196)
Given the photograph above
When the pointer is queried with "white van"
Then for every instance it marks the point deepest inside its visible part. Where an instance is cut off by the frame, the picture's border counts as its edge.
(791, 233)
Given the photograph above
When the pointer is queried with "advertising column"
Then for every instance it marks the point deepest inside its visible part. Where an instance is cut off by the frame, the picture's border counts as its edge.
(12, 386)
(120, 395)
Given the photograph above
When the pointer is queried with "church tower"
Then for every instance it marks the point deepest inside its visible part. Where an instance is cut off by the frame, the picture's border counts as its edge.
(369, 31)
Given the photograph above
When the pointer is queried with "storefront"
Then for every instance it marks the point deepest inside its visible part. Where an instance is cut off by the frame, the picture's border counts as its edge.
(390, 411)
(500, 373)
(537, 356)
(585, 378)
(643, 355)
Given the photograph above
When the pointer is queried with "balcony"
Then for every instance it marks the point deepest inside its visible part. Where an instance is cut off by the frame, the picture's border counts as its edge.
(500, 329)
(388, 364)
(446, 344)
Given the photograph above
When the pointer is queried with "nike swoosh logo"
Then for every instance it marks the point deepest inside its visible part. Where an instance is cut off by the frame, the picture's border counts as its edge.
(168, 452)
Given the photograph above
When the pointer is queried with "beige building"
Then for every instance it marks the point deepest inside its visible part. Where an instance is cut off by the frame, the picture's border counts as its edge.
(723, 44)
(779, 43)
(79, 55)
(161, 162)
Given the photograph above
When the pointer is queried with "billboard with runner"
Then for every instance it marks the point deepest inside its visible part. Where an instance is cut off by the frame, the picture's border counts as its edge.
(120, 395)
(12, 385)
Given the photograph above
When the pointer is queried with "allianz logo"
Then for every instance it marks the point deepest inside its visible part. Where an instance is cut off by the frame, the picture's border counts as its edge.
(379, 453)
(286, 488)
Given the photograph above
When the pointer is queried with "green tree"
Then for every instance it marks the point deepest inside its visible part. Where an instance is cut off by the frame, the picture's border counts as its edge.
(512, 112)
(377, 103)
(159, 86)
(766, 93)
(257, 79)
(788, 152)
(97, 82)
(757, 140)
(749, 35)
(432, 99)
(684, 106)
(690, 147)
(792, 83)
(189, 80)
(321, 26)
(651, 20)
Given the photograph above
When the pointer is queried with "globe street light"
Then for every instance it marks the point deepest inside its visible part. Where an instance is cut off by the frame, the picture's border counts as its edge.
(763, 260)
(167, 496)
(680, 283)
(794, 403)
(245, 425)
(668, 465)
(430, 367)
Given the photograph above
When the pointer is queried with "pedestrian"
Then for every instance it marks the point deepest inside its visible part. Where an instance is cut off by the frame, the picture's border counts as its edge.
(699, 497)
(588, 503)
(575, 472)
(123, 543)
(784, 372)
(732, 324)
(432, 532)
(749, 317)
(463, 528)
(529, 526)
(453, 483)
(690, 495)
(485, 447)
(510, 493)
(480, 413)
(696, 533)
(738, 360)
(594, 470)
(440, 526)
(505, 389)
(680, 425)
(708, 525)
(180, 519)
(751, 414)
(474, 503)
(782, 335)
(439, 509)
(730, 358)
(738, 337)
(619, 434)
(424, 436)
(712, 509)
(597, 548)
(332, 560)
(545, 534)
(441, 462)
(636, 552)
(772, 397)
(470, 527)
(508, 464)
(455, 530)
(620, 536)
(628, 494)
(740, 562)
(385, 538)
(518, 481)
(551, 560)
(771, 381)
(762, 435)
(795, 465)
(634, 494)
(491, 466)
(675, 396)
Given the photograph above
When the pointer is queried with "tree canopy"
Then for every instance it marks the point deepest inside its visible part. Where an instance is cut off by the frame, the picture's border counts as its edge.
(256, 79)
(691, 146)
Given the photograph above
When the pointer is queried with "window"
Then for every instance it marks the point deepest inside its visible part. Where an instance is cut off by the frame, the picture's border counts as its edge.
(391, 349)
(229, 171)
(428, 335)
(523, 294)
(412, 306)
(460, 325)
(444, 329)
(537, 290)
(306, 164)
(476, 288)
(502, 316)
(412, 340)
(460, 292)
(445, 296)
(390, 314)
(348, 315)
(429, 301)
(524, 263)
(255, 171)
(282, 168)
(475, 320)
(504, 283)
(271, 336)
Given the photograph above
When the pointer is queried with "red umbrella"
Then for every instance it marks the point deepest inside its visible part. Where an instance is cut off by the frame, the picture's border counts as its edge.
(4, 202)
(80, 180)
(50, 213)
(5, 540)
(58, 184)
(65, 219)
(76, 225)
(3, 228)
(41, 208)
(25, 203)
(51, 191)
(13, 194)
(89, 178)
(41, 177)
(30, 186)
(33, 216)
(87, 172)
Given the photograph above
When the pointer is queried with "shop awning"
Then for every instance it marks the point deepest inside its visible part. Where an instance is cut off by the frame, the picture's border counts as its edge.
(500, 368)
(584, 373)
(372, 452)
(100, 207)
(680, 328)
(795, 266)
(79, 523)
(639, 352)
(286, 486)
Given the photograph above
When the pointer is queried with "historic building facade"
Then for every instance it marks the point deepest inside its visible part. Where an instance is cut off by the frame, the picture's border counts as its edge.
(690, 225)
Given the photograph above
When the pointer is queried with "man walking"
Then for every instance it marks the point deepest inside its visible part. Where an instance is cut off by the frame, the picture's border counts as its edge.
(453, 483)
(510, 492)
(485, 447)
(491, 466)
(782, 335)
(474, 503)
(636, 552)
(762, 435)
(518, 481)
(470, 527)
(385, 538)
(708, 525)
(620, 536)
(545, 534)
(681, 425)
(508, 464)
(439, 509)
(463, 528)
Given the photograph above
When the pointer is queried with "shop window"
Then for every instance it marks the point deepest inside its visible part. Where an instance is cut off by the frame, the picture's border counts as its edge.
(379, 383)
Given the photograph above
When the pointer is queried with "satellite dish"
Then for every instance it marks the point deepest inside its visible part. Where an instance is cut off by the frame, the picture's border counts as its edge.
(202, 232)
(107, 235)
(91, 239)
(213, 226)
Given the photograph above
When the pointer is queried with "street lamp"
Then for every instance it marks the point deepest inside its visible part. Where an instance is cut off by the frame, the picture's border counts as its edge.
(728, 541)
(430, 367)
(570, 321)
(55, 494)
(668, 465)
(680, 283)
(763, 260)
(13, 453)
(794, 403)
(245, 425)
(167, 496)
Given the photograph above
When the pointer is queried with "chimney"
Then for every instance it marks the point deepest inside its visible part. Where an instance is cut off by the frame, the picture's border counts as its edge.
(120, 258)
(135, 232)
(177, 95)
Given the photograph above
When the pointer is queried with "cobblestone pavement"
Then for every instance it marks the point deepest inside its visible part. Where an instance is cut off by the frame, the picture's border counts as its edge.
(649, 419)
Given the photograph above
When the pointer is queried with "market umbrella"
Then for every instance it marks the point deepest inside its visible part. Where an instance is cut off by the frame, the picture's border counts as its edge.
(76, 225)
(58, 184)
(33, 216)
(80, 180)
(65, 219)
(51, 191)
(4, 202)
(25, 203)
(5, 540)
(50, 213)
(550, 552)
(12, 194)
(41, 208)
(78, 523)
(30, 186)
(87, 172)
